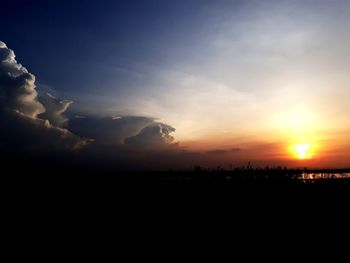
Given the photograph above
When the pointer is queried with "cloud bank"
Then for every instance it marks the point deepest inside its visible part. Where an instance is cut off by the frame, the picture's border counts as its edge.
(37, 125)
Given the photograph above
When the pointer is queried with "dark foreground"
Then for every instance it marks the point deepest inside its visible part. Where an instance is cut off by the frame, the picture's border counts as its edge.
(240, 182)
(171, 198)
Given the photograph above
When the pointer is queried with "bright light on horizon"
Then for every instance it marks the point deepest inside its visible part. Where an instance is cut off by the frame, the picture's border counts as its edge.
(303, 151)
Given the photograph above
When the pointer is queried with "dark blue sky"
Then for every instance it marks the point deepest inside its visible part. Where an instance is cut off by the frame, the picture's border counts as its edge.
(76, 45)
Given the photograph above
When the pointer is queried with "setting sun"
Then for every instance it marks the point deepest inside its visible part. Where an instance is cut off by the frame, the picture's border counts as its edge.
(303, 151)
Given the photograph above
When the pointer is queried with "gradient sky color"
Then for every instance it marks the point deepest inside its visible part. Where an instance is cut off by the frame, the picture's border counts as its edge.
(261, 76)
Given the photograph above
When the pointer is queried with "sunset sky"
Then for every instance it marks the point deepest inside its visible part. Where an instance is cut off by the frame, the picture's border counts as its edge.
(211, 82)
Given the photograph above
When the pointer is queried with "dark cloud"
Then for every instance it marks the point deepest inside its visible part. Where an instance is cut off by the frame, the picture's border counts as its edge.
(223, 151)
(111, 130)
(20, 133)
(129, 130)
(129, 142)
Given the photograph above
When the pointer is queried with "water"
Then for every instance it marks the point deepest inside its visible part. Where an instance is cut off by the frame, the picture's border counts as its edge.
(318, 176)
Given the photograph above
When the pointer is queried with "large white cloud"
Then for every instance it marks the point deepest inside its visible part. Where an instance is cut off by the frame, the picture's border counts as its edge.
(17, 85)
(21, 129)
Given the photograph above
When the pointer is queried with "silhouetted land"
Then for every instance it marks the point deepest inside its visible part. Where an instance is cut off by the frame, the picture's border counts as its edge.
(83, 178)
(51, 186)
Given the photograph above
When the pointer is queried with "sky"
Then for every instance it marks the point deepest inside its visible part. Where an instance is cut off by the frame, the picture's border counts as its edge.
(215, 82)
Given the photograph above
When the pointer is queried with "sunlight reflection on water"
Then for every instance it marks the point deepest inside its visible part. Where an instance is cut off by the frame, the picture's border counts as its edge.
(316, 176)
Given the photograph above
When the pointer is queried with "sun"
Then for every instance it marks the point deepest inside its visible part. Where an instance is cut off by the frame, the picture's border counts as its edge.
(303, 151)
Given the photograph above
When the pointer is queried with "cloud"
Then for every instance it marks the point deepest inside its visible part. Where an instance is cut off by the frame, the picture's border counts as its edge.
(108, 130)
(223, 151)
(129, 130)
(20, 133)
(54, 109)
(157, 134)
(33, 126)
(17, 90)
(21, 129)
